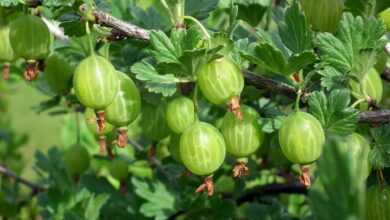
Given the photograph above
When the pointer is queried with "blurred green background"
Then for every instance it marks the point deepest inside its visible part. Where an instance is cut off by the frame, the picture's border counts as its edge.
(42, 130)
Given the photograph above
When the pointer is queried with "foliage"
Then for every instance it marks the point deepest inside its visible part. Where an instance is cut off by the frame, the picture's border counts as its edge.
(293, 68)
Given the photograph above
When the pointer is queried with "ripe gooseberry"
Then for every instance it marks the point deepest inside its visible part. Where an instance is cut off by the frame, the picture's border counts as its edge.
(119, 169)
(180, 114)
(385, 17)
(95, 82)
(358, 148)
(242, 137)
(378, 203)
(76, 160)
(30, 39)
(369, 86)
(153, 123)
(125, 108)
(221, 82)
(323, 15)
(202, 148)
(301, 138)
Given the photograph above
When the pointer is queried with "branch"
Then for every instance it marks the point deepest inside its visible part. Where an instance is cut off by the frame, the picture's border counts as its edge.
(386, 74)
(272, 189)
(8, 173)
(123, 27)
(262, 82)
(377, 116)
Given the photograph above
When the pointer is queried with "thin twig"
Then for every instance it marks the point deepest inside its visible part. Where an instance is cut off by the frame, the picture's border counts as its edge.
(262, 82)
(8, 173)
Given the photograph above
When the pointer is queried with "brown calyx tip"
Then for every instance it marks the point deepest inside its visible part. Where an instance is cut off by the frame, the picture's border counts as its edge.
(6, 71)
(31, 71)
(207, 186)
(234, 107)
(101, 120)
(240, 170)
(295, 77)
(304, 178)
(122, 137)
(102, 144)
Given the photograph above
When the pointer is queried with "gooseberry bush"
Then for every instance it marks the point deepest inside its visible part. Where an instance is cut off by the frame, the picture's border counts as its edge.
(198, 109)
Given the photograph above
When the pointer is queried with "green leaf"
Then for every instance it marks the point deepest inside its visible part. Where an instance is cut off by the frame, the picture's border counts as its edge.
(299, 61)
(379, 158)
(354, 47)
(333, 112)
(155, 82)
(294, 30)
(150, 18)
(340, 185)
(200, 9)
(164, 50)
(360, 7)
(332, 78)
(334, 53)
(95, 203)
(251, 11)
(7, 3)
(191, 39)
(269, 57)
(380, 154)
(222, 39)
(160, 203)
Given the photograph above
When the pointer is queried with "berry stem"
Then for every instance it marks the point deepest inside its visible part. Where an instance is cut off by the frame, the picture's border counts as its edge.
(195, 100)
(88, 31)
(78, 135)
(101, 120)
(102, 144)
(122, 137)
(297, 100)
(6, 71)
(305, 176)
(234, 107)
(357, 102)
